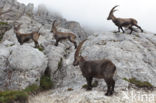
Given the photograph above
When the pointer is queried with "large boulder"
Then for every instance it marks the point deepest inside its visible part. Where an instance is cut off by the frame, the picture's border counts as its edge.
(133, 55)
(56, 58)
(26, 65)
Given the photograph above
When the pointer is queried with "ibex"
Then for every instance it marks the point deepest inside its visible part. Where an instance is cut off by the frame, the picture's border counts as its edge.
(103, 69)
(123, 22)
(62, 35)
(27, 36)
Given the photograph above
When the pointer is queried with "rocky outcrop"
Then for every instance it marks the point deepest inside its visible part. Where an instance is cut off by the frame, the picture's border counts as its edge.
(132, 54)
(26, 65)
(21, 66)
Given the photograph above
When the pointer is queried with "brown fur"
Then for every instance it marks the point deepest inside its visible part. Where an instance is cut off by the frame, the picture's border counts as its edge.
(27, 36)
(62, 36)
(103, 69)
(123, 22)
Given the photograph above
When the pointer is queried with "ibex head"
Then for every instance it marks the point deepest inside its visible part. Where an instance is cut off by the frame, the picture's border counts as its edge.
(17, 27)
(78, 58)
(111, 12)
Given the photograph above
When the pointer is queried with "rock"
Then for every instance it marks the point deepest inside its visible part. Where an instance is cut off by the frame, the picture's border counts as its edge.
(55, 56)
(133, 55)
(29, 9)
(26, 65)
(4, 54)
(77, 29)
(10, 36)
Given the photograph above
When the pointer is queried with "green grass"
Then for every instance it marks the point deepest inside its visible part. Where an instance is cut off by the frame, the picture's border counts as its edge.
(13, 96)
(3, 23)
(32, 89)
(60, 64)
(140, 84)
(46, 83)
(41, 48)
(22, 96)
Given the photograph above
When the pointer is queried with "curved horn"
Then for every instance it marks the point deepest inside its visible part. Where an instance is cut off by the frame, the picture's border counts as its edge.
(54, 22)
(112, 10)
(53, 25)
(78, 48)
(39, 29)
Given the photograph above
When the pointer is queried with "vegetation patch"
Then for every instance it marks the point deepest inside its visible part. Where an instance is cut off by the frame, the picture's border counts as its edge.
(140, 84)
(41, 48)
(32, 89)
(4, 26)
(60, 63)
(3, 23)
(22, 96)
(46, 83)
(13, 96)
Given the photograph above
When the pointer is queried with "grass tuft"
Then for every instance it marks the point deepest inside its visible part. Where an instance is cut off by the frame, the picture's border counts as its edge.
(46, 83)
(32, 89)
(3, 23)
(140, 84)
(13, 96)
(41, 48)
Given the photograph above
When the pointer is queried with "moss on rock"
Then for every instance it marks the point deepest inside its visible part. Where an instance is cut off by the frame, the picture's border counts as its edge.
(140, 84)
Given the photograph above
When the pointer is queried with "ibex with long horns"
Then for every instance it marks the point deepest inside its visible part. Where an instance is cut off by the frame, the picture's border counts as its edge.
(23, 37)
(63, 35)
(123, 22)
(103, 69)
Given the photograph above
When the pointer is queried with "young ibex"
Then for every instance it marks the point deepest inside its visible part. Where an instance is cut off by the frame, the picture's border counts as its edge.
(62, 35)
(27, 36)
(123, 22)
(103, 69)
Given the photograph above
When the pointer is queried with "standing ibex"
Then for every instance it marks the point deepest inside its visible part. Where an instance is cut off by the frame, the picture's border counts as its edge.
(27, 36)
(103, 69)
(123, 22)
(63, 35)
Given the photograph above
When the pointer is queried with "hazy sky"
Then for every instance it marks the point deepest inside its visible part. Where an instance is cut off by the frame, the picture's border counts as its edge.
(93, 13)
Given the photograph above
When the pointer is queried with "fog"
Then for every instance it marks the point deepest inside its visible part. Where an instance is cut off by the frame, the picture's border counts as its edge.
(93, 13)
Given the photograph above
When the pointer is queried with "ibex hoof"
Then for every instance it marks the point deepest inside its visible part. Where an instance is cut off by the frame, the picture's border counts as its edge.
(108, 93)
(89, 89)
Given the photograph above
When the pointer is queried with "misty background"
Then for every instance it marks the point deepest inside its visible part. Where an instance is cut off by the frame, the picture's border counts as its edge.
(92, 14)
